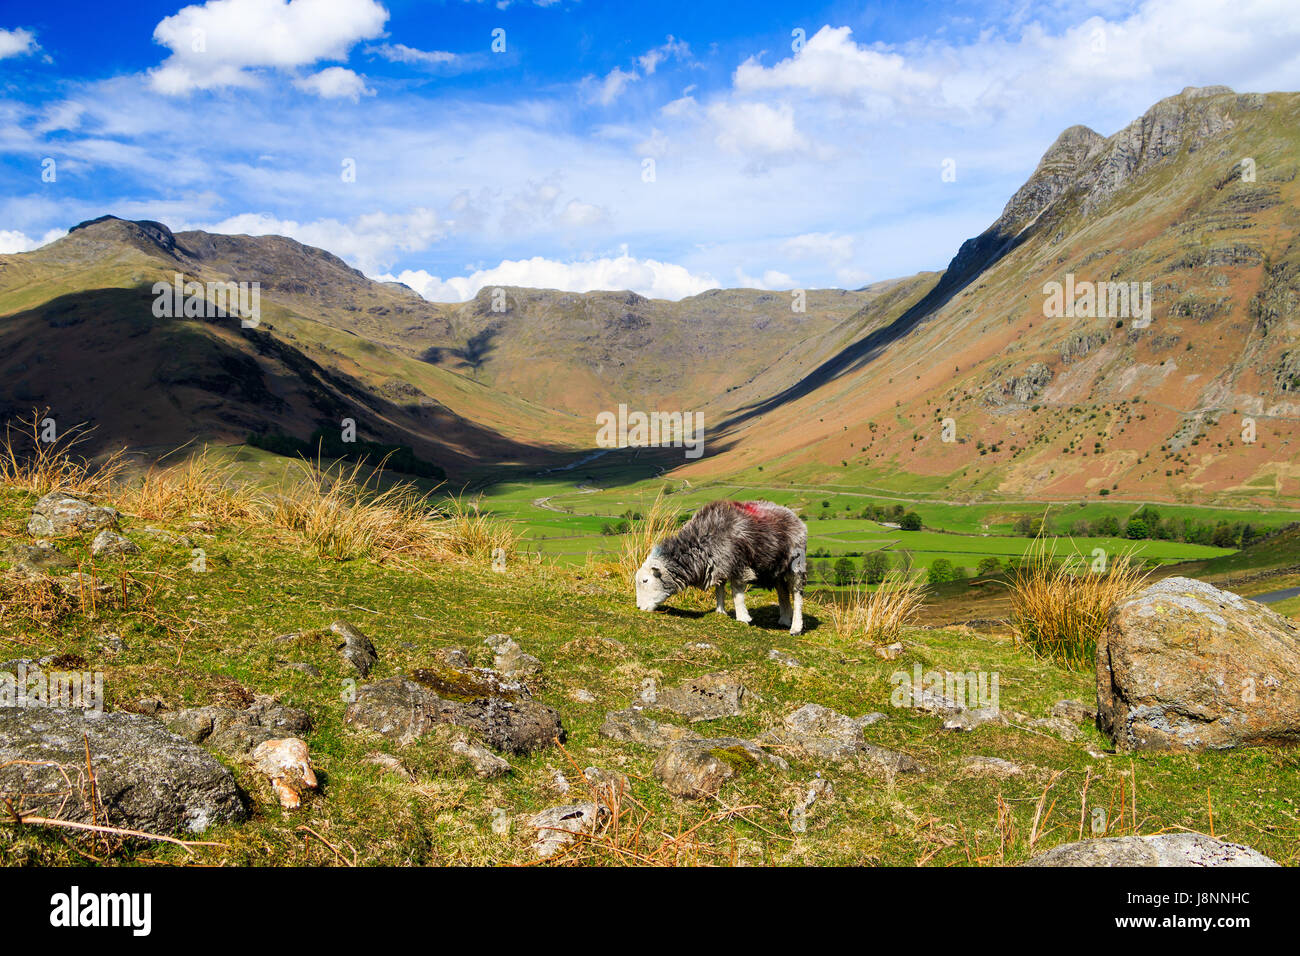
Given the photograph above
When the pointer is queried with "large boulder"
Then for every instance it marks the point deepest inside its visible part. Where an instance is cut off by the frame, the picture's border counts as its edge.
(1165, 849)
(704, 698)
(403, 709)
(1184, 665)
(58, 514)
(145, 778)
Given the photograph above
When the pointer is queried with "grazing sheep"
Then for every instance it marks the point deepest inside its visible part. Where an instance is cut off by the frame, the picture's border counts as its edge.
(742, 543)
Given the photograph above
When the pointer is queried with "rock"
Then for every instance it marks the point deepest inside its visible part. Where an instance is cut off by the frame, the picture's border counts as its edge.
(704, 698)
(782, 658)
(992, 766)
(967, 719)
(237, 732)
(288, 764)
(510, 658)
(615, 783)
(109, 543)
(1184, 665)
(58, 514)
(145, 777)
(485, 763)
(403, 709)
(311, 670)
(168, 536)
(814, 720)
(1075, 711)
(817, 788)
(111, 644)
(1065, 729)
(649, 693)
(356, 648)
(1165, 849)
(635, 726)
(391, 764)
(583, 696)
(557, 827)
(694, 769)
(889, 652)
(37, 558)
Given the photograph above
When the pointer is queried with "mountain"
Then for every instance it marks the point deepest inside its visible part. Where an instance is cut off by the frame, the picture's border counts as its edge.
(982, 381)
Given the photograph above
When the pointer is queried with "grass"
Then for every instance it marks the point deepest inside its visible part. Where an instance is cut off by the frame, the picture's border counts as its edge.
(39, 457)
(1059, 608)
(198, 637)
(878, 616)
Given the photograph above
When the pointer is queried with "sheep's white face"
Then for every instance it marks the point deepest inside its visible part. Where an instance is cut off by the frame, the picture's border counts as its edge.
(650, 588)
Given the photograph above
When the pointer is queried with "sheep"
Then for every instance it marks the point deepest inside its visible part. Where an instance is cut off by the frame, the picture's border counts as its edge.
(742, 543)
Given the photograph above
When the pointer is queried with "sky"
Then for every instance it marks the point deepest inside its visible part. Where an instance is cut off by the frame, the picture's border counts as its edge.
(666, 148)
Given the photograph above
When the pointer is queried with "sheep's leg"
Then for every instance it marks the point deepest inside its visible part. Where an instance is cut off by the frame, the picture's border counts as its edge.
(720, 594)
(796, 622)
(783, 601)
(742, 614)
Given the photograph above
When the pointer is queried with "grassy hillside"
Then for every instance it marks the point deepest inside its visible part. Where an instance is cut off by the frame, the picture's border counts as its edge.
(187, 638)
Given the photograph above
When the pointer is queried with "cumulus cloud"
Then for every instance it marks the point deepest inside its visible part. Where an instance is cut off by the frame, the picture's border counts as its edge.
(771, 280)
(12, 241)
(223, 42)
(17, 42)
(369, 242)
(757, 128)
(648, 277)
(334, 83)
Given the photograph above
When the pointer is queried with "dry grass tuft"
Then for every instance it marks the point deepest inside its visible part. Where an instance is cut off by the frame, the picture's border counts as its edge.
(879, 616)
(1059, 608)
(468, 533)
(29, 462)
(658, 522)
(200, 487)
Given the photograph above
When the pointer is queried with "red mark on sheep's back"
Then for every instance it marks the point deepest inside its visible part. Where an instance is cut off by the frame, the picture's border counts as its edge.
(751, 508)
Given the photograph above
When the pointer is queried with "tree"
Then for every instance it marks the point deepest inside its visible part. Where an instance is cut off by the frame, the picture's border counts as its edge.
(844, 572)
(1225, 536)
(989, 565)
(941, 571)
(1137, 528)
(1029, 525)
(910, 521)
(1108, 527)
(875, 566)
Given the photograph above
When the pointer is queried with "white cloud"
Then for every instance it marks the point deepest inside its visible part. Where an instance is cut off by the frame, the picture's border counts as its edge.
(609, 89)
(756, 128)
(222, 42)
(12, 241)
(17, 42)
(335, 82)
(583, 215)
(369, 242)
(673, 48)
(648, 277)
(401, 53)
(771, 280)
(831, 64)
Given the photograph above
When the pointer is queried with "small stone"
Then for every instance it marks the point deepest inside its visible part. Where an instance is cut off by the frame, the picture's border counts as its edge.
(615, 782)
(1074, 710)
(390, 763)
(288, 764)
(583, 696)
(635, 726)
(485, 763)
(37, 558)
(992, 766)
(311, 670)
(889, 652)
(109, 543)
(1063, 728)
(557, 827)
(510, 658)
(500, 821)
(1164, 849)
(967, 719)
(696, 769)
(356, 647)
(782, 658)
(649, 693)
(704, 698)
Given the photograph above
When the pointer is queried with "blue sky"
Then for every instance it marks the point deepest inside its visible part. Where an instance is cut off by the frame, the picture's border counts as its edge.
(666, 148)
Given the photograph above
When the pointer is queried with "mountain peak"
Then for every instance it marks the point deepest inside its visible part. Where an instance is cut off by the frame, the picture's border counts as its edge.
(144, 233)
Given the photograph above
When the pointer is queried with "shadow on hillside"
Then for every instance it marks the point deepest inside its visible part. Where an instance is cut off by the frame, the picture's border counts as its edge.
(765, 617)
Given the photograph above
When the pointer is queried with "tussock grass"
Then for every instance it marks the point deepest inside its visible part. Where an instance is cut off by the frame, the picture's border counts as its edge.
(658, 522)
(339, 511)
(468, 533)
(1059, 608)
(29, 462)
(200, 487)
(879, 616)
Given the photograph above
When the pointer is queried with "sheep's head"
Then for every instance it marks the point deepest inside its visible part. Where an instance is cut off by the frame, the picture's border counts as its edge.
(652, 582)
